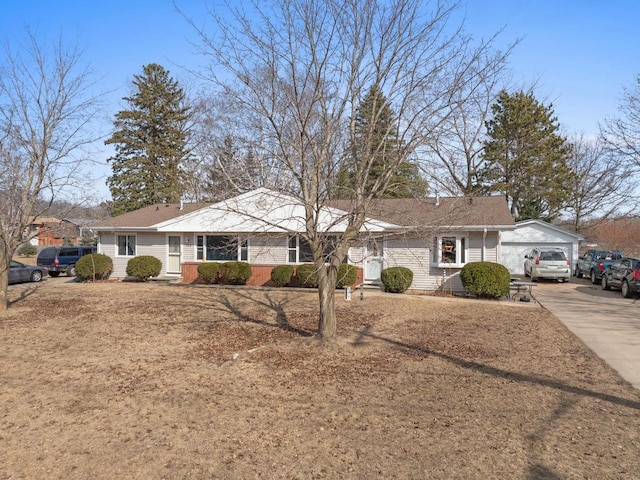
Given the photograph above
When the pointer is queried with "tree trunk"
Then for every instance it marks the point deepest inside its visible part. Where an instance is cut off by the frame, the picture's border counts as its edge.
(328, 326)
(4, 281)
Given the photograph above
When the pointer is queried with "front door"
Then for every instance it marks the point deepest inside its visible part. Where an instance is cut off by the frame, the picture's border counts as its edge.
(373, 262)
(174, 259)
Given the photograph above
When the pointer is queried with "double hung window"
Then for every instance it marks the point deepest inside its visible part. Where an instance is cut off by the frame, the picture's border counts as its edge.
(126, 245)
(299, 250)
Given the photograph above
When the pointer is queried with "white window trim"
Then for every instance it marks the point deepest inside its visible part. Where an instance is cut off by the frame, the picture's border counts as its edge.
(457, 264)
(204, 236)
(135, 236)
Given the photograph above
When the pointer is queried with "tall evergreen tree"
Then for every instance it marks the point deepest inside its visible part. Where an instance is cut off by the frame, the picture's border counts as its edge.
(526, 158)
(150, 140)
(377, 141)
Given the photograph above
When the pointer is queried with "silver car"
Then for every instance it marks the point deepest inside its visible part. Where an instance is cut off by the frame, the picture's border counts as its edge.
(547, 262)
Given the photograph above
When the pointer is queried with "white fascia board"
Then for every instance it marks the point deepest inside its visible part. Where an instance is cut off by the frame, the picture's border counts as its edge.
(551, 226)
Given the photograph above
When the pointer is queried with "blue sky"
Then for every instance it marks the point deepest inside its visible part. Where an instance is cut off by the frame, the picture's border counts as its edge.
(580, 53)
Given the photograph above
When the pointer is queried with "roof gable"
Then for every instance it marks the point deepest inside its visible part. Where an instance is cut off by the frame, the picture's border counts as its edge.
(262, 211)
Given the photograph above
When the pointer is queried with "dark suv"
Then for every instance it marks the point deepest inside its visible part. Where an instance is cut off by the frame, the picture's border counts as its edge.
(62, 259)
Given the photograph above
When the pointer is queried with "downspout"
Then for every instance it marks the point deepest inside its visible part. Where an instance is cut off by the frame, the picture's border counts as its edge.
(484, 243)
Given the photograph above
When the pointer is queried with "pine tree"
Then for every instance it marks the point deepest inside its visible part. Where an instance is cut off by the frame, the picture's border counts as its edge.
(376, 147)
(526, 159)
(150, 140)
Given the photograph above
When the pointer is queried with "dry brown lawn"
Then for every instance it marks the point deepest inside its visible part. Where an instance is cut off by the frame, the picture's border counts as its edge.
(126, 380)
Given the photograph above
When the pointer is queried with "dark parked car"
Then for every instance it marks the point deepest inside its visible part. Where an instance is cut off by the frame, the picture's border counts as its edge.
(623, 274)
(19, 272)
(57, 260)
(594, 262)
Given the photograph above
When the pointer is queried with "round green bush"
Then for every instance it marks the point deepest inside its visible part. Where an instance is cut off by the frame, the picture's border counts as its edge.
(208, 272)
(306, 275)
(347, 275)
(27, 250)
(281, 275)
(396, 279)
(144, 267)
(486, 279)
(234, 273)
(95, 266)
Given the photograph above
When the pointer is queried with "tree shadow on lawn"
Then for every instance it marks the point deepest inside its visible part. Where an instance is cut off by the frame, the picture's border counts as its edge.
(228, 304)
(506, 374)
(536, 470)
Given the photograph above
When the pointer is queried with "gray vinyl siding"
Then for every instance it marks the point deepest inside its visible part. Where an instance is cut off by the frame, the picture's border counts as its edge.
(189, 247)
(414, 254)
(490, 244)
(268, 250)
(153, 244)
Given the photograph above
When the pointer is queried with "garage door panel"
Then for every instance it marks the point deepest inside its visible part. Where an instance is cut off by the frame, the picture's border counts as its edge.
(512, 254)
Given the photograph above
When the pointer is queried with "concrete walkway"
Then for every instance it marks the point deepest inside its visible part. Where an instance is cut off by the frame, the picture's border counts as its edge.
(605, 321)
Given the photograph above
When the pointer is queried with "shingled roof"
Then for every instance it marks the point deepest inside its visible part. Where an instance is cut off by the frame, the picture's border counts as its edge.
(468, 212)
(452, 212)
(148, 216)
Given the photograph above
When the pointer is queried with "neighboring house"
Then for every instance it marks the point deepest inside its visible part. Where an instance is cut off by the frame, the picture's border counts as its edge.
(528, 234)
(434, 237)
(45, 231)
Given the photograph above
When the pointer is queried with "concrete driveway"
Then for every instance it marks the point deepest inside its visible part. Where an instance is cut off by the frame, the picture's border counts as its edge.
(605, 321)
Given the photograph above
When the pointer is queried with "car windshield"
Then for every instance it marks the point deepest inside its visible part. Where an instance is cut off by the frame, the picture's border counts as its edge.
(552, 256)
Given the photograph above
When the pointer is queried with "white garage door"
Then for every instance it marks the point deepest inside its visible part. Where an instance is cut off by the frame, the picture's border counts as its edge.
(512, 254)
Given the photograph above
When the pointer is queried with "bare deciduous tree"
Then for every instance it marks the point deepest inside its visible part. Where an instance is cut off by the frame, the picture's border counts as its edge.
(602, 185)
(297, 70)
(453, 159)
(45, 104)
(622, 133)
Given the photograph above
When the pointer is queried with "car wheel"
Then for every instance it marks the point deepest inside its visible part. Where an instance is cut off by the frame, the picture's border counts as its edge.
(54, 274)
(36, 276)
(578, 273)
(605, 283)
(71, 271)
(626, 291)
(594, 279)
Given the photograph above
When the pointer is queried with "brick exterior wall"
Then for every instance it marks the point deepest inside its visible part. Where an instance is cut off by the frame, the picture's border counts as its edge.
(260, 275)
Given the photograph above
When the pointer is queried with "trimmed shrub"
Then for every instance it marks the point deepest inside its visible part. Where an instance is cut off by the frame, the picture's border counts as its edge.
(281, 275)
(27, 250)
(396, 279)
(347, 275)
(95, 266)
(234, 273)
(144, 267)
(306, 275)
(208, 272)
(486, 279)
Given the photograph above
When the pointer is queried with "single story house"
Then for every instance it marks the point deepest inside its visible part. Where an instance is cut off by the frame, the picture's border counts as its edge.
(528, 234)
(434, 237)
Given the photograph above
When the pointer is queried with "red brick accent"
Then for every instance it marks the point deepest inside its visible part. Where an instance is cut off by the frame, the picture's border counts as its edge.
(260, 274)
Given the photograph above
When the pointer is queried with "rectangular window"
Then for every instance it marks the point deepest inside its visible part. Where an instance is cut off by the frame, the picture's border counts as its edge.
(244, 250)
(200, 247)
(451, 251)
(126, 245)
(221, 248)
(299, 250)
